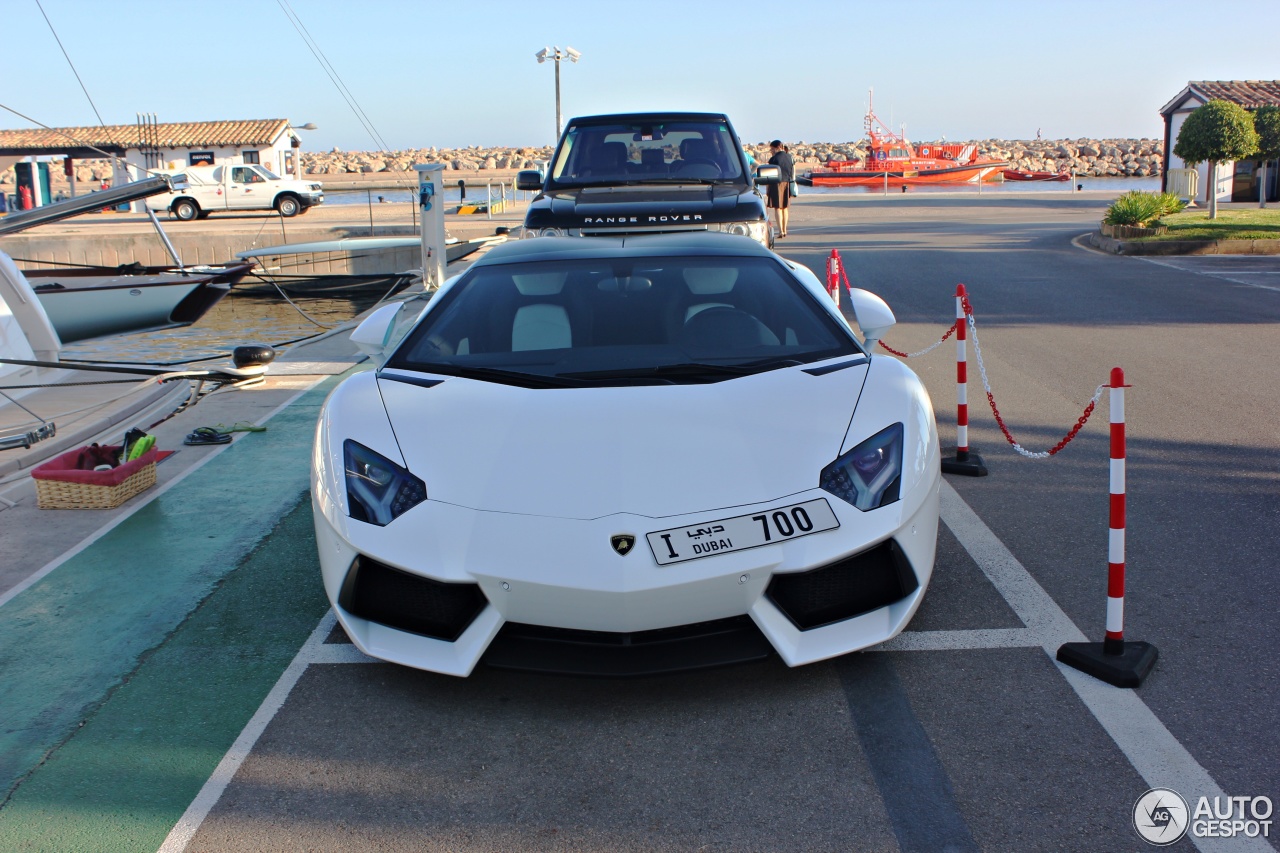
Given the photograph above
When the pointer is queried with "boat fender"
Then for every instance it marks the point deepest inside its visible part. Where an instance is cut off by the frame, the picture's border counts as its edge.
(252, 355)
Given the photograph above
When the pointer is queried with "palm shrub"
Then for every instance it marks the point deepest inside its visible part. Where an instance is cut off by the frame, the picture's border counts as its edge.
(1139, 208)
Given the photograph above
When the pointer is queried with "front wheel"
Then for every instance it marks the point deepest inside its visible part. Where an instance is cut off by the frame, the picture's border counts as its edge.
(287, 205)
(186, 209)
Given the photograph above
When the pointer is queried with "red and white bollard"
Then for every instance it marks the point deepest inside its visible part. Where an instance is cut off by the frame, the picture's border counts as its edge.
(1114, 642)
(1113, 660)
(966, 461)
(833, 276)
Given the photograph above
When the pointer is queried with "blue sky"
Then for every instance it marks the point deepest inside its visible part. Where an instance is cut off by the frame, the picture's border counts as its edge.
(451, 74)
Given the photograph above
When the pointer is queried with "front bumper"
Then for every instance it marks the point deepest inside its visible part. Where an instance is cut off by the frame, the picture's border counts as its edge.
(556, 573)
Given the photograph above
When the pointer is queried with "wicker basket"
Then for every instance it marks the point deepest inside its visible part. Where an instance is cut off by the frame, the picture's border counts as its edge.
(60, 485)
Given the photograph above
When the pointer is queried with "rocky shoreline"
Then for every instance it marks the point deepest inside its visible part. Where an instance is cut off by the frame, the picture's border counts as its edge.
(1086, 157)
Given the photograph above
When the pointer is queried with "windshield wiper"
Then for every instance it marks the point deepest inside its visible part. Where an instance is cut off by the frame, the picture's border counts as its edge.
(505, 377)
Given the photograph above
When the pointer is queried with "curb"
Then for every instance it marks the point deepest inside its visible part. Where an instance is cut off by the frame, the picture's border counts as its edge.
(1184, 247)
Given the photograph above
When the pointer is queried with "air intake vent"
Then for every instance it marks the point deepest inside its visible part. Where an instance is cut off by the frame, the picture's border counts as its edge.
(562, 651)
(407, 602)
(851, 587)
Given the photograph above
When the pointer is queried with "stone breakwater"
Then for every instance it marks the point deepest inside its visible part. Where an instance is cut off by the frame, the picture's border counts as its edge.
(1087, 157)
(1131, 158)
(1095, 157)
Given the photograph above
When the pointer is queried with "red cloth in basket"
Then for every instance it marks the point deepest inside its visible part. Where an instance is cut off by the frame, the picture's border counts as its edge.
(64, 468)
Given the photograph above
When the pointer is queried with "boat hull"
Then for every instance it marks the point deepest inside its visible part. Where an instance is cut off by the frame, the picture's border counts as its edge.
(94, 306)
(1016, 175)
(967, 174)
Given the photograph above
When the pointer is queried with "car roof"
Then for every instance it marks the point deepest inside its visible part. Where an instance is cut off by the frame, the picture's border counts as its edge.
(649, 117)
(699, 244)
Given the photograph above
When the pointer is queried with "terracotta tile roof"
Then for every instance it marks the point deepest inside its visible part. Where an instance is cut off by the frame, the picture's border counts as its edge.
(1249, 94)
(178, 134)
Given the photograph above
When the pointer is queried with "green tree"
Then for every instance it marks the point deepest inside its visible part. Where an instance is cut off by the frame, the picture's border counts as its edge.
(1214, 132)
(1266, 121)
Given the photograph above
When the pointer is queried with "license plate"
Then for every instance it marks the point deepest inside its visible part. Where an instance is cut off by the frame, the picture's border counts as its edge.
(741, 532)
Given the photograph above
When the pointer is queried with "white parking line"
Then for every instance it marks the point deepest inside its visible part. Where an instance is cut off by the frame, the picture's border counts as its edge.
(138, 504)
(185, 829)
(1233, 276)
(946, 641)
(1150, 747)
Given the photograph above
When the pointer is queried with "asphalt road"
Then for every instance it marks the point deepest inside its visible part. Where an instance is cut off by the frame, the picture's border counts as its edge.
(962, 735)
(981, 748)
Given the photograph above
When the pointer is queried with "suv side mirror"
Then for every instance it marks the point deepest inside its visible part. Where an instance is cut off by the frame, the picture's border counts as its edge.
(529, 179)
(374, 333)
(768, 175)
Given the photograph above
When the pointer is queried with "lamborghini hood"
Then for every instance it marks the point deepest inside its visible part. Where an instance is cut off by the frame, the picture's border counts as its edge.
(649, 450)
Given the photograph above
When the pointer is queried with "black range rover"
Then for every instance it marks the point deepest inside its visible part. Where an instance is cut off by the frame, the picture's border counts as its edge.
(648, 173)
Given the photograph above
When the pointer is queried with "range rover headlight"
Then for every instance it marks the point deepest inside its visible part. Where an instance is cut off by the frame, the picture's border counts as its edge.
(758, 231)
(551, 232)
(869, 475)
(378, 490)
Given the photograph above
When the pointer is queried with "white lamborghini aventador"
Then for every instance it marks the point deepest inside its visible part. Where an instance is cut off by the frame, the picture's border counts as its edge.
(623, 456)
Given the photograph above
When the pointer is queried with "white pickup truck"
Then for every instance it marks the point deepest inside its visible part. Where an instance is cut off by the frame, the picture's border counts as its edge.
(236, 187)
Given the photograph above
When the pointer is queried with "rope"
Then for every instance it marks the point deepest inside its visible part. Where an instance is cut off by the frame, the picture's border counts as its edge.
(950, 331)
(986, 385)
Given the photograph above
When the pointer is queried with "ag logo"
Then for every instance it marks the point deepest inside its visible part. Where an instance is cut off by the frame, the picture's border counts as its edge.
(1160, 816)
(623, 543)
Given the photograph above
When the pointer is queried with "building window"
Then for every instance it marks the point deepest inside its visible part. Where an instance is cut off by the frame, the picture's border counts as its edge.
(200, 158)
(250, 156)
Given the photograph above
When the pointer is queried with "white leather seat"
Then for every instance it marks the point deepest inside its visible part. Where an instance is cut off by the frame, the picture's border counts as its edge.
(540, 326)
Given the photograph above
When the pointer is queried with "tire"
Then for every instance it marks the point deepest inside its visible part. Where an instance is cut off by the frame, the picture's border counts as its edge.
(185, 209)
(288, 205)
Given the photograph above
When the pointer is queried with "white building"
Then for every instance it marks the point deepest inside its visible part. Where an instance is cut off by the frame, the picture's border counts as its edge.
(1237, 181)
(149, 145)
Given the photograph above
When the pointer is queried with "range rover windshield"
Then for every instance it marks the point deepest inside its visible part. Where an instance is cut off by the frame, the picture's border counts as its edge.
(623, 321)
(635, 153)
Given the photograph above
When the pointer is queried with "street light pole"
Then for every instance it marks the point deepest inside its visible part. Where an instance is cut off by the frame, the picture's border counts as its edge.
(555, 54)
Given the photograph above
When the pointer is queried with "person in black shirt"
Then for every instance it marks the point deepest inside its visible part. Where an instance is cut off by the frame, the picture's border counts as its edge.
(780, 193)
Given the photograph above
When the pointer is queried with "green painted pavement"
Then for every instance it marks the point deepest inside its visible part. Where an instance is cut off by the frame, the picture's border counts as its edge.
(76, 635)
(122, 781)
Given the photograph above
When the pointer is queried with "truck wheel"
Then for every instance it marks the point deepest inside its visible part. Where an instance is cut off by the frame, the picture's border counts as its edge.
(186, 209)
(288, 205)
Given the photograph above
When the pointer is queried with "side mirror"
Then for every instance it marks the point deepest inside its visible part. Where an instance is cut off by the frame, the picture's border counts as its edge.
(768, 175)
(374, 333)
(874, 315)
(529, 179)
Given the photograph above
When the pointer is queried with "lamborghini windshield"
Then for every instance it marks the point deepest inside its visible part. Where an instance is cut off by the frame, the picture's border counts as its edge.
(634, 153)
(633, 320)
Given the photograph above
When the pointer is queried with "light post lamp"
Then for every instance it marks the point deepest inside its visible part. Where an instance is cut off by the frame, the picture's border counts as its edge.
(296, 143)
(554, 53)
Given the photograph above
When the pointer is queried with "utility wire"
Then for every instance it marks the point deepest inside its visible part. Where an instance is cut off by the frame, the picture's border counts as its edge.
(337, 81)
(83, 88)
(74, 139)
(332, 73)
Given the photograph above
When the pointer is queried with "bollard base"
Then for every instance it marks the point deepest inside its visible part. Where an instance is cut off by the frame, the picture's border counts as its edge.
(968, 463)
(1127, 669)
